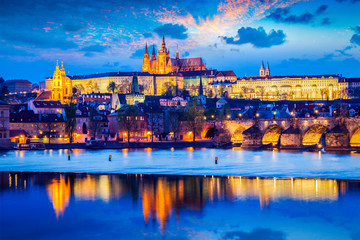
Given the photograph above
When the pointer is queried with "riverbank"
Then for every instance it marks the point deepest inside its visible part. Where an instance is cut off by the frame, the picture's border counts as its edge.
(122, 145)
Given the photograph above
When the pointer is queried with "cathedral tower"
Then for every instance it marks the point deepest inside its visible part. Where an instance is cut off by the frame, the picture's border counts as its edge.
(146, 61)
(162, 58)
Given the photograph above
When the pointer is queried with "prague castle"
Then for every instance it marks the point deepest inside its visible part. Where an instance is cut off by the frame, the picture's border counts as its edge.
(162, 63)
(161, 73)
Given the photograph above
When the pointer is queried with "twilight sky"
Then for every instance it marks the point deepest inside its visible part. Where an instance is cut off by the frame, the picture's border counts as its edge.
(90, 36)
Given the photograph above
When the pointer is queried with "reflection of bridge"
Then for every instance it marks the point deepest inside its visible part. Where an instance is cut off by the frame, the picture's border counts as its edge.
(334, 133)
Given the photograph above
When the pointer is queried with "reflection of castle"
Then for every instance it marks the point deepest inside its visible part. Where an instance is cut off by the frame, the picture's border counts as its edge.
(162, 63)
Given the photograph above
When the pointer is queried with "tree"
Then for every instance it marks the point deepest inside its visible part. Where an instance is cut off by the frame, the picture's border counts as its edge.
(194, 117)
(210, 93)
(324, 93)
(221, 89)
(4, 91)
(80, 88)
(169, 89)
(94, 123)
(174, 121)
(124, 88)
(111, 87)
(141, 88)
(70, 123)
(127, 119)
(84, 128)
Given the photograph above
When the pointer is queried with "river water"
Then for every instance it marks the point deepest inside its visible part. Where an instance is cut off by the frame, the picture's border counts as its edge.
(127, 206)
(231, 162)
(179, 194)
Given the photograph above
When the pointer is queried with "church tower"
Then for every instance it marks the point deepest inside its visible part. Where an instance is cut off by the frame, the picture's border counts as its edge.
(262, 70)
(177, 53)
(267, 71)
(146, 61)
(61, 85)
(162, 58)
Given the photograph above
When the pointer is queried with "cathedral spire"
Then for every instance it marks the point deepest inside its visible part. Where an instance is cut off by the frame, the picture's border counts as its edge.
(267, 71)
(177, 52)
(57, 64)
(262, 70)
(153, 55)
(163, 45)
(146, 50)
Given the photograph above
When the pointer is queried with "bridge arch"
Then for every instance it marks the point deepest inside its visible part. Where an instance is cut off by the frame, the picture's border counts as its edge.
(313, 134)
(272, 134)
(355, 138)
(237, 137)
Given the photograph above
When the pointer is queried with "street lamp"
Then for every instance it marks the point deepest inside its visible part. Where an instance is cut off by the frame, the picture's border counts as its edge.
(274, 113)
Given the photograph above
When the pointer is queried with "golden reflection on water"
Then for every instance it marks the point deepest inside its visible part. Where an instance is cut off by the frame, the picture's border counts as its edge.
(163, 196)
(59, 194)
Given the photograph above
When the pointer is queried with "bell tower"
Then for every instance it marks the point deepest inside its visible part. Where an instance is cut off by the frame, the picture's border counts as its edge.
(146, 61)
(262, 70)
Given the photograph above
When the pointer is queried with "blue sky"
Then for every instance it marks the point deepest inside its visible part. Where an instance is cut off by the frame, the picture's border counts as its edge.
(296, 37)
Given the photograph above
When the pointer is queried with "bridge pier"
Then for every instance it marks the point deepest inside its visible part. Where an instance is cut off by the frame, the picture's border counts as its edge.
(337, 139)
(291, 138)
(252, 138)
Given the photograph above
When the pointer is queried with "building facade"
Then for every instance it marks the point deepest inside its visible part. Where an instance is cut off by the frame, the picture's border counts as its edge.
(306, 87)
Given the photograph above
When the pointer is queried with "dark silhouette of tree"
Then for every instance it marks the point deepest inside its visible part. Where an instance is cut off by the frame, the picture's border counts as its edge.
(84, 128)
(111, 87)
(127, 119)
(194, 117)
(70, 122)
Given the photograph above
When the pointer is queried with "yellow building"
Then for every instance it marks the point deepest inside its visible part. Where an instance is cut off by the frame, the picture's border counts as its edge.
(162, 63)
(306, 87)
(60, 85)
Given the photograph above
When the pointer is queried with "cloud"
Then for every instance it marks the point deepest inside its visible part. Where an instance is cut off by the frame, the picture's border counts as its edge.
(147, 35)
(176, 31)
(257, 37)
(94, 48)
(111, 65)
(257, 233)
(138, 54)
(355, 39)
(282, 15)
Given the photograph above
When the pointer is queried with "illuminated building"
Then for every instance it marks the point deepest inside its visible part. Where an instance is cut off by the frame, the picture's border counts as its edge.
(306, 87)
(162, 63)
(60, 85)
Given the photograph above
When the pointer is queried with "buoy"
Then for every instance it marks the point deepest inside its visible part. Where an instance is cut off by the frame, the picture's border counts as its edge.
(109, 157)
(216, 159)
(68, 156)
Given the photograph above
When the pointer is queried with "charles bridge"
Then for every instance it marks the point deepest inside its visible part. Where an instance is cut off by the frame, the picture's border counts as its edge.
(333, 133)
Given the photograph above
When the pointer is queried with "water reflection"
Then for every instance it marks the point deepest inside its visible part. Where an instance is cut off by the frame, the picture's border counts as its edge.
(164, 196)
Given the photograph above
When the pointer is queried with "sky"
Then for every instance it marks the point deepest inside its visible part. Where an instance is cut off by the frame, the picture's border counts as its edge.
(296, 37)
